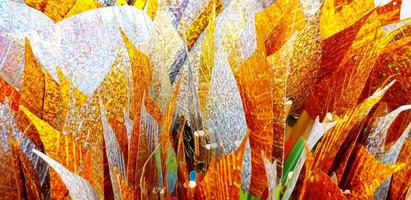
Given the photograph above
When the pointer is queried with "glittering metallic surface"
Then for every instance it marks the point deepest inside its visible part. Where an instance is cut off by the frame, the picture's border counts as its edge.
(328, 148)
(399, 182)
(271, 173)
(265, 134)
(78, 59)
(378, 135)
(317, 132)
(113, 152)
(141, 76)
(7, 124)
(61, 147)
(390, 157)
(223, 180)
(72, 181)
(319, 185)
(363, 184)
(204, 99)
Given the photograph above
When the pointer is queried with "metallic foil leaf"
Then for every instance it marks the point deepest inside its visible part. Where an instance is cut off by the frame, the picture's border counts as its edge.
(58, 9)
(87, 56)
(148, 140)
(32, 93)
(31, 184)
(165, 140)
(390, 157)
(61, 147)
(200, 23)
(334, 19)
(304, 62)
(9, 179)
(77, 186)
(359, 181)
(225, 114)
(272, 30)
(271, 173)
(37, 4)
(12, 55)
(9, 92)
(223, 178)
(114, 154)
(266, 131)
(207, 62)
(82, 6)
(141, 78)
(319, 185)
(51, 104)
(152, 7)
(377, 137)
(9, 127)
(317, 131)
(327, 150)
(400, 181)
(165, 45)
